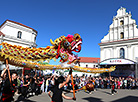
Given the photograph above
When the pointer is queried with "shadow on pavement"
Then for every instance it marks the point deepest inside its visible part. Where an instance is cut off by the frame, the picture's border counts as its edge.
(21, 99)
(127, 99)
(105, 92)
(92, 99)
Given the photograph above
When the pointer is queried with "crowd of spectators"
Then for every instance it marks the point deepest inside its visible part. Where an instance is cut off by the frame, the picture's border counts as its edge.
(24, 85)
(106, 82)
(34, 85)
(99, 82)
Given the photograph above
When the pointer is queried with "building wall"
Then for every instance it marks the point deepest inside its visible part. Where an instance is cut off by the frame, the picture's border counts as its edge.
(112, 43)
(11, 30)
(91, 65)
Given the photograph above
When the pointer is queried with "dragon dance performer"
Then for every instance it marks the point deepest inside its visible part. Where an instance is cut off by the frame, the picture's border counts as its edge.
(8, 87)
(57, 89)
(88, 87)
(113, 87)
(26, 83)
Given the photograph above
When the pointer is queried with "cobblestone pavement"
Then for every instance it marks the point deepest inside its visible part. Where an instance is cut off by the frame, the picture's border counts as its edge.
(101, 95)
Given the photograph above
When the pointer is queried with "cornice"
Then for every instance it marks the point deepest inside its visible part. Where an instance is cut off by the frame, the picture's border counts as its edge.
(19, 24)
(119, 42)
(20, 41)
(19, 27)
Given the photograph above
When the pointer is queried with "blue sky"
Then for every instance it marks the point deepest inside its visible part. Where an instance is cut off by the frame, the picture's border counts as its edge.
(54, 18)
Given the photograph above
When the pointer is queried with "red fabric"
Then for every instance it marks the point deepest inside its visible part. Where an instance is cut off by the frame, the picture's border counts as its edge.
(72, 84)
(113, 86)
(27, 68)
(69, 39)
(6, 96)
(58, 51)
(41, 82)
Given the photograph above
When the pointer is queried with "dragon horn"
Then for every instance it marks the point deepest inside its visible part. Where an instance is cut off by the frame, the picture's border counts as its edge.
(52, 42)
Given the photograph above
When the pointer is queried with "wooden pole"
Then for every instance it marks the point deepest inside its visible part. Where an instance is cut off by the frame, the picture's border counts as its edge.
(73, 86)
(8, 71)
(23, 71)
(79, 89)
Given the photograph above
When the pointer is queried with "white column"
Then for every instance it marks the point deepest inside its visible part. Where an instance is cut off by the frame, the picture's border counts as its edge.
(133, 31)
(128, 27)
(113, 52)
(128, 52)
(117, 29)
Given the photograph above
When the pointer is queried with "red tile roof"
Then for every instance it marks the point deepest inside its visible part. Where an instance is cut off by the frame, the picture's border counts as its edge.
(1, 33)
(19, 24)
(89, 59)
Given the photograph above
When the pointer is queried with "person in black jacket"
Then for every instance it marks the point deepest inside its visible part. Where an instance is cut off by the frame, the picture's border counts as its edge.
(57, 89)
(26, 83)
(8, 87)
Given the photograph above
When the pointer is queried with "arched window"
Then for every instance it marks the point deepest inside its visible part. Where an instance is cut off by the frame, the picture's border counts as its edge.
(19, 34)
(122, 53)
(86, 65)
(122, 35)
(121, 22)
(35, 39)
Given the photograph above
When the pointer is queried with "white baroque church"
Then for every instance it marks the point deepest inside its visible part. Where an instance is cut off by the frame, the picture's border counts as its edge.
(120, 46)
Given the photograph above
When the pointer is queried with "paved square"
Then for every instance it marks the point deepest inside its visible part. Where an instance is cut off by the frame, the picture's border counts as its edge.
(101, 95)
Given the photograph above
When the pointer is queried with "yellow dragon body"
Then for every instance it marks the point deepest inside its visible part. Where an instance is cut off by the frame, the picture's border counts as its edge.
(62, 48)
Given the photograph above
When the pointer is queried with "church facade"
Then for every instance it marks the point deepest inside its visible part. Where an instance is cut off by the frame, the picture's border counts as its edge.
(120, 46)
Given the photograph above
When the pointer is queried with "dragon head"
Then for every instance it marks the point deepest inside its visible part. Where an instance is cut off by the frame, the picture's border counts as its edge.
(65, 47)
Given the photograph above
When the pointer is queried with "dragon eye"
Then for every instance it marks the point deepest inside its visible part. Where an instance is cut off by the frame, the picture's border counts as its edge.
(66, 45)
(77, 37)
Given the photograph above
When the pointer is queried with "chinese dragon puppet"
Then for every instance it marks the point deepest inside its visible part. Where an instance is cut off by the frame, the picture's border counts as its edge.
(63, 48)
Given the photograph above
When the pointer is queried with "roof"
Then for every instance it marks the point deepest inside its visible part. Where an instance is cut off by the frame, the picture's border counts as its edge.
(89, 59)
(19, 24)
(1, 33)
